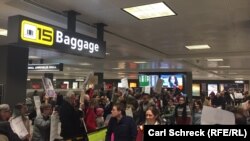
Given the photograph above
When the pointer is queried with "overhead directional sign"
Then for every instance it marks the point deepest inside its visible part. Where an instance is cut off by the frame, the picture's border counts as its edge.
(24, 31)
(45, 67)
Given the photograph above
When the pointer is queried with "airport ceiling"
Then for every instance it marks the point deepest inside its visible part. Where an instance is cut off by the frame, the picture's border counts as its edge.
(222, 24)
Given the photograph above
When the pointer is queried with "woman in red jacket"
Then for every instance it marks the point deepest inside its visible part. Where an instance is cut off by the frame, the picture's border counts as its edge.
(90, 116)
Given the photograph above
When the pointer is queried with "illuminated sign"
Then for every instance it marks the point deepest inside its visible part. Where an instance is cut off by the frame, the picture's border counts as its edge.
(45, 67)
(25, 32)
(37, 33)
(132, 85)
(239, 81)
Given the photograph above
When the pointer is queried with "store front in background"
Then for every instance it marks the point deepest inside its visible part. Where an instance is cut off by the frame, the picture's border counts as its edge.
(205, 87)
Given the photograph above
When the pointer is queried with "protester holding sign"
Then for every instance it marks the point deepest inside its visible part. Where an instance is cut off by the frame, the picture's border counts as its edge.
(20, 122)
(41, 130)
(5, 128)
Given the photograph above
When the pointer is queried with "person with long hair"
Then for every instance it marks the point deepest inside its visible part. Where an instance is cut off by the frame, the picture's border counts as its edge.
(196, 114)
(152, 116)
(182, 113)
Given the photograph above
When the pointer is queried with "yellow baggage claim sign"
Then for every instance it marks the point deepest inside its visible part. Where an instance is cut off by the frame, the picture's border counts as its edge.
(23, 31)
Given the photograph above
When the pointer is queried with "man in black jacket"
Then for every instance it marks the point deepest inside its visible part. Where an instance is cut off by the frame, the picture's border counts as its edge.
(122, 127)
(72, 127)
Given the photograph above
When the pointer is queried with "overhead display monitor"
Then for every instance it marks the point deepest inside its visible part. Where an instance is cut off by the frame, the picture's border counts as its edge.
(153, 80)
(212, 88)
(196, 89)
(148, 80)
(143, 80)
(172, 80)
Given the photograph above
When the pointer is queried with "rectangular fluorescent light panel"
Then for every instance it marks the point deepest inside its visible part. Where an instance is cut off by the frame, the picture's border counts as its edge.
(214, 60)
(149, 11)
(122, 73)
(34, 57)
(3, 32)
(224, 66)
(193, 47)
(140, 62)
(85, 64)
(239, 81)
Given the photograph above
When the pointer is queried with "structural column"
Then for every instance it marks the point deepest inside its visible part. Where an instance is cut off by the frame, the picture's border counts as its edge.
(99, 80)
(13, 73)
(188, 85)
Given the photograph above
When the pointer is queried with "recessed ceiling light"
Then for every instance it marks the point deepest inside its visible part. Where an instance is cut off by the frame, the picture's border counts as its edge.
(194, 47)
(107, 53)
(140, 62)
(79, 79)
(148, 11)
(3, 32)
(34, 57)
(28, 79)
(215, 60)
(85, 64)
(224, 66)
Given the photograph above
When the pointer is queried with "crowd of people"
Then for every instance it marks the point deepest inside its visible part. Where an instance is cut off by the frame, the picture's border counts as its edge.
(123, 111)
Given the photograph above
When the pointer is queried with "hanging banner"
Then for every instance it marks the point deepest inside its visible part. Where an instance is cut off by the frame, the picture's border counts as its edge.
(27, 32)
